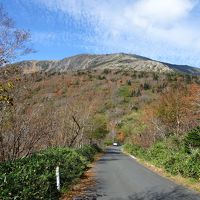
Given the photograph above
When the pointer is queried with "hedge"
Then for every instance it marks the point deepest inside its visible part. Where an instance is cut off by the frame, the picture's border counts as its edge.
(34, 177)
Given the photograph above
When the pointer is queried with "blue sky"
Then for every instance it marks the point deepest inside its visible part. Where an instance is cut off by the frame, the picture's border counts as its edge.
(163, 30)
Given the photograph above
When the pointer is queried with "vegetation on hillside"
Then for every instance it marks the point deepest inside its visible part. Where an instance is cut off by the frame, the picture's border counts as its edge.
(77, 108)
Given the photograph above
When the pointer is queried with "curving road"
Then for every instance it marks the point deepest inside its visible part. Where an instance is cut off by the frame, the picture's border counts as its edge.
(120, 177)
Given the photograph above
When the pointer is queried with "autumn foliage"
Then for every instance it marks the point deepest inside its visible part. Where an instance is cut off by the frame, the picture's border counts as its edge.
(77, 108)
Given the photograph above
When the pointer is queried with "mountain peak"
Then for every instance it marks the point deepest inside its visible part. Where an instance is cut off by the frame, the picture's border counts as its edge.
(116, 61)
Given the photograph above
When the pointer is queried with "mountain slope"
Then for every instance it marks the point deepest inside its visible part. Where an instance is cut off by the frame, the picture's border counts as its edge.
(108, 61)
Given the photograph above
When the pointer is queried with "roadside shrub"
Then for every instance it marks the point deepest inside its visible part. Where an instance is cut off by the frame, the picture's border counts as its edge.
(159, 154)
(173, 159)
(192, 139)
(135, 150)
(184, 164)
(174, 163)
(128, 148)
(34, 177)
(191, 165)
(88, 152)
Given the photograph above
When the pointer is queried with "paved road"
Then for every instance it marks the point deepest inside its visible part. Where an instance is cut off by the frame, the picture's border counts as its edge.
(120, 177)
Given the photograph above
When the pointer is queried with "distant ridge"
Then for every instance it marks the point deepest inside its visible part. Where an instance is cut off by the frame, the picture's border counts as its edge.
(120, 61)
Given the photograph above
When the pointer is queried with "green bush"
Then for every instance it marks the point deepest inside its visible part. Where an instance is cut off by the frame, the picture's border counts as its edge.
(174, 163)
(159, 153)
(171, 155)
(192, 139)
(88, 152)
(134, 149)
(34, 177)
(191, 165)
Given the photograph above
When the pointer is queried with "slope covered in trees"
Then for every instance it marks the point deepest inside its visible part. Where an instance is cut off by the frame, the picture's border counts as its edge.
(77, 108)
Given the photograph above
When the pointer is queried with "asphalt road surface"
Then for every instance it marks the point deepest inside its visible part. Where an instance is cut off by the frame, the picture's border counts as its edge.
(120, 177)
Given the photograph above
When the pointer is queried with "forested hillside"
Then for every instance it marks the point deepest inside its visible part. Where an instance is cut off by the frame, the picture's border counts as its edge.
(41, 110)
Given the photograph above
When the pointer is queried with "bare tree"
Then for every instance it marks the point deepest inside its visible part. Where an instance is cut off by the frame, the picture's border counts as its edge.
(75, 122)
(22, 134)
(13, 41)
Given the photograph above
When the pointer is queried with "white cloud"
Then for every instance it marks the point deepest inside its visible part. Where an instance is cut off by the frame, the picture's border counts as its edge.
(118, 23)
(160, 13)
(125, 16)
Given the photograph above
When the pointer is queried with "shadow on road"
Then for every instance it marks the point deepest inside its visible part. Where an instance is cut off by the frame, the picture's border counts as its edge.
(178, 193)
(103, 160)
(112, 152)
(111, 155)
